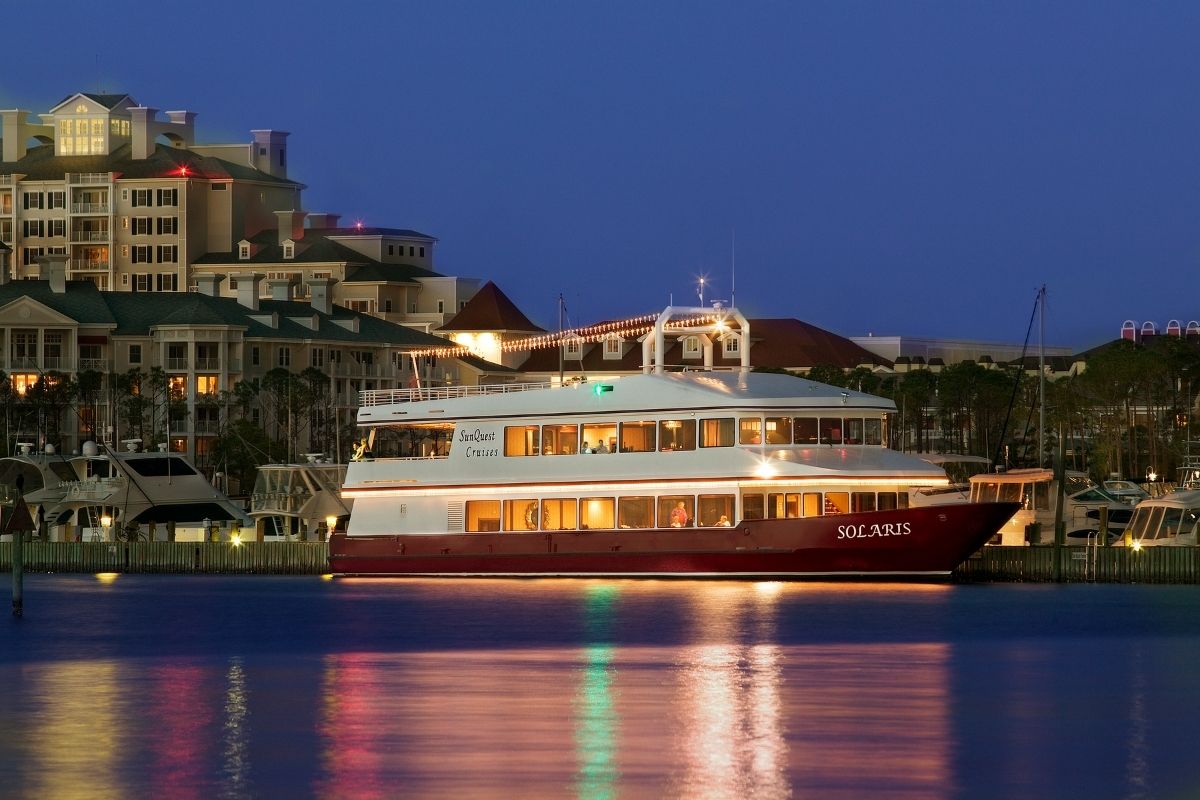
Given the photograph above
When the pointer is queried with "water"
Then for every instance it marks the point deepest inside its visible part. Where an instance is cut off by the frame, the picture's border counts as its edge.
(202, 687)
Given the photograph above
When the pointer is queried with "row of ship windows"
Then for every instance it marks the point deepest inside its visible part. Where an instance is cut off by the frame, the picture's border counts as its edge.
(666, 511)
(685, 434)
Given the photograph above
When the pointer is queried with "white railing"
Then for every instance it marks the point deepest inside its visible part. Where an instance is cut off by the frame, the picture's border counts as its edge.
(54, 362)
(88, 264)
(98, 364)
(382, 397)
(177, 364)
(6, 179)
(89, 208)
(89, 236)
(94, 489)
(89, 177)
(208, 363)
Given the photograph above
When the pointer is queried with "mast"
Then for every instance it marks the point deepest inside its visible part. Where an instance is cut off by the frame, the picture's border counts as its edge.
(1042, 375)
(560, 339)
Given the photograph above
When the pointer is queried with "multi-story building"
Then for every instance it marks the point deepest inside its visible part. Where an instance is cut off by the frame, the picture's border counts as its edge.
(136, 205)
(204, 344)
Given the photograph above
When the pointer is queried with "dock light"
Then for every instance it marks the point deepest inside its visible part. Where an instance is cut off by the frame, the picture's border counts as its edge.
(106, 525)
(765, 471)
(601, 388)
(330, 524)
(235, 538)
(1151, 475)
(1136, 546)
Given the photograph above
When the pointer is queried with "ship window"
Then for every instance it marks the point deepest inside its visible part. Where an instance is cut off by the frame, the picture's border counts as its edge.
(483, 515)
(792, 506)
(637, 437)
(716, 432)
(873, 431)
(1170, 524)
(831, 430)
(676, 511)
(752, 506)
(779, 430)
(887, 500)
(712, 507)
(677, 434)
(750, 430)
(837, 502)
(160, 467)
(854, 431)
(1137, 525)
(1042, 495)
(901, 499)
(804, 430)
(521, 515)
(813, 504)
(635, 512)
(775, 505)
(560, 440)
(862, 501)
(558, 515)
(1010, 492)
(600, 433)
(984, 491)
(596, 513)
(521, 440)
(1155, 520)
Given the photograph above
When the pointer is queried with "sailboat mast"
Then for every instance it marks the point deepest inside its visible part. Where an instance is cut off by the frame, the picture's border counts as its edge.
(1042, 375)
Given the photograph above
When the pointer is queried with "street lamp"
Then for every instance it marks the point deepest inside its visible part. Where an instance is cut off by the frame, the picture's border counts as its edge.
(1151, 475)
(330, 524)
(105, 525)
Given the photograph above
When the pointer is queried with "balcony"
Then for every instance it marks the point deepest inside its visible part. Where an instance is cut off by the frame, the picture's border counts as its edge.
(213, 363)
(97, 364)
(77, 178)
(88, 265)
(209, 426)
(89, 208)
(177, 364)
(55, 362)
(89, 236)
(6, 180)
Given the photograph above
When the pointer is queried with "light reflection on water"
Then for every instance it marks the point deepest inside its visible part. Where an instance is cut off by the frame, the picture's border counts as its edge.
(597, 690)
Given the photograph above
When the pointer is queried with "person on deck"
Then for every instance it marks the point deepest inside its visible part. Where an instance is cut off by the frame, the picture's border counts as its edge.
(679, 516)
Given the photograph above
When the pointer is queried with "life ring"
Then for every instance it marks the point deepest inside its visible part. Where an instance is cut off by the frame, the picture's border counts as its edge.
(531, 516)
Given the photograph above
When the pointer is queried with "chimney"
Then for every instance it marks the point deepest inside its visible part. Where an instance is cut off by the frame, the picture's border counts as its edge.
(281, 289)
(183, 125)
(321, 290)
(270, 152)
(247, 290)
(142, 131)
(291, 225)
(323, 219)
(54, 269)
(209, 283)
(16, 131)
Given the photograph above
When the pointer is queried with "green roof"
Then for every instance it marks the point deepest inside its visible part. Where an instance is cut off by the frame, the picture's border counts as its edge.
(40, 164)
(135, 313)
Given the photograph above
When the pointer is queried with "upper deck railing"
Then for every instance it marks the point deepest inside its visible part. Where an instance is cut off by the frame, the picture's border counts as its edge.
(383, 397)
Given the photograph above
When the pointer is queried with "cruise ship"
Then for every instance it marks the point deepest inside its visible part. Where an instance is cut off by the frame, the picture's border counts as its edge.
(667, 473)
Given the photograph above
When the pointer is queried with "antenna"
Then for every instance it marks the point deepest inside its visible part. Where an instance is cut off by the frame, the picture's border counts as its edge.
(733, 267)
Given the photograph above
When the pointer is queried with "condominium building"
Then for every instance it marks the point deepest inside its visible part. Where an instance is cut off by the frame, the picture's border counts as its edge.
(204, 344)
(135, 204)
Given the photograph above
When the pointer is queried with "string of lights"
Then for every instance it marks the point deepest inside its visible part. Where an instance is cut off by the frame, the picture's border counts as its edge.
(626, 328)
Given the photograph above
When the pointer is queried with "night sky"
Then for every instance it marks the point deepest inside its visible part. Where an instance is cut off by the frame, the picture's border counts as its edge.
(914, 168)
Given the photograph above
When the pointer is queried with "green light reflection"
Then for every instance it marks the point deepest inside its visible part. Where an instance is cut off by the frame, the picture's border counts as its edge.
(596, 714)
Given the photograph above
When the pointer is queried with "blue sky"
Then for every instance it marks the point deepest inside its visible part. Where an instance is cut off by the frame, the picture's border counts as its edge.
(915, 168)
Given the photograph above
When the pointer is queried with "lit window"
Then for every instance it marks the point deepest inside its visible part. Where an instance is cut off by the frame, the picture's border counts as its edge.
(206, 384)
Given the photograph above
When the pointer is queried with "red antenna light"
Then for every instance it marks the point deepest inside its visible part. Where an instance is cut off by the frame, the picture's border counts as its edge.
(358, 224)
(183, 171)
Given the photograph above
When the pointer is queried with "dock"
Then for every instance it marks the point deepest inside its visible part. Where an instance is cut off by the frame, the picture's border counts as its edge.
(1037, 564)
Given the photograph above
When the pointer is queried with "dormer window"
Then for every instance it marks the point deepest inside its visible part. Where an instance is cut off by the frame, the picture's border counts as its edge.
(573, 347)
(244, 251)
(612, 347)
(732, 345)
(691, 347)
(289, 249)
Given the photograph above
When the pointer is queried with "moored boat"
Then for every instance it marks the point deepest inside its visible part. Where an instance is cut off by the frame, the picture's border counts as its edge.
(666, 473)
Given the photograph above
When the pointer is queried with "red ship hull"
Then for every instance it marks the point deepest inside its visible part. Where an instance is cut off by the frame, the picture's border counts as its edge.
(927, 541)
